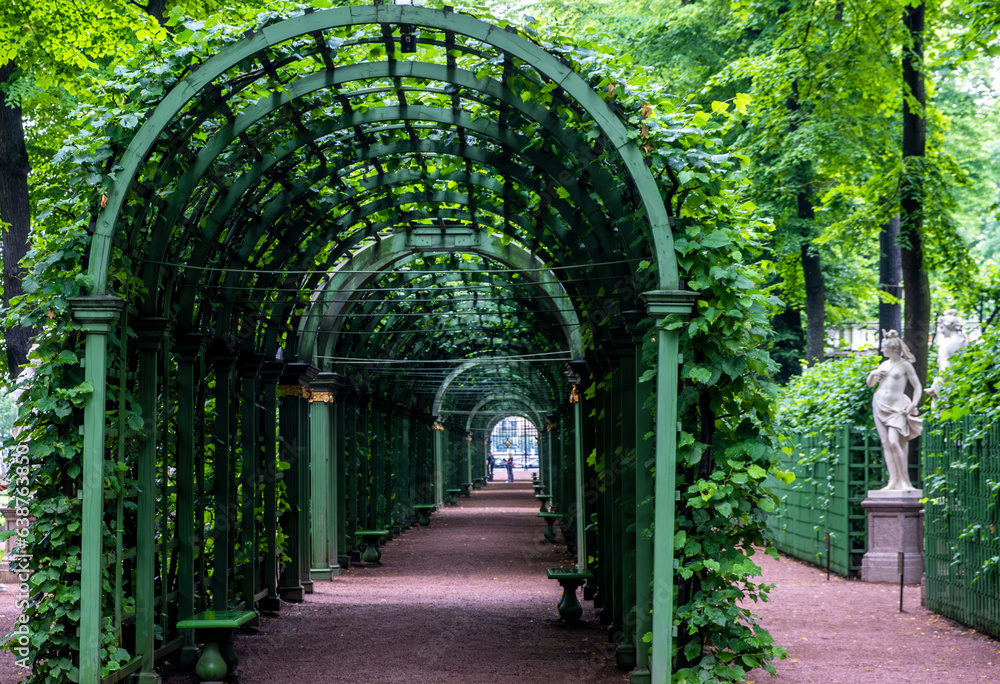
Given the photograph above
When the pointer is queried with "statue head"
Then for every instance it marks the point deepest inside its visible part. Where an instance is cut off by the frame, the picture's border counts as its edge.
(949, 323)
(891, 341)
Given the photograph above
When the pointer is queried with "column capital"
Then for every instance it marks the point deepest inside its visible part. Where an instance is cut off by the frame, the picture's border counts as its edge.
(271, 370)
(151, 332)
(666, 302)
(96, 312)
(249, 363)
(189, 345)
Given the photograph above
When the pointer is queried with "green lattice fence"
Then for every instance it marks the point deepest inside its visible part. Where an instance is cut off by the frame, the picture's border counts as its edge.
(961, 463)
(833, 472)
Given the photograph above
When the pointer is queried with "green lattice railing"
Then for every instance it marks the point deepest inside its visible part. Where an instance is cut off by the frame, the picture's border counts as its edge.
(833, 472)
(961, 462)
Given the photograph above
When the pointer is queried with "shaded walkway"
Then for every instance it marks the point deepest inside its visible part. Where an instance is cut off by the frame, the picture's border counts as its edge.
(848, 631)
(465, 600)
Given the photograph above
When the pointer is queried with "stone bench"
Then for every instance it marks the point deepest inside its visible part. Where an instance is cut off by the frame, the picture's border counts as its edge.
(424, 511)
(371, 538)
(218, 659)
(569, 579)
(550, 519)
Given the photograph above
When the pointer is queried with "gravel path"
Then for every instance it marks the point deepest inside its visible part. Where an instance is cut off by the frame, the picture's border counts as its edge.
(465, 600)
(841, 632)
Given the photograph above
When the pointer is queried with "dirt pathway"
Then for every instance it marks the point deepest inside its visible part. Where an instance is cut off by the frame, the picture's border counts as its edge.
(841, 632)
(465, 600)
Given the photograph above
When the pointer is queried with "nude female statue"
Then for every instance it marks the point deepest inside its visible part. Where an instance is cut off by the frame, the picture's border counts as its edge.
(950, 338)
(895, 413)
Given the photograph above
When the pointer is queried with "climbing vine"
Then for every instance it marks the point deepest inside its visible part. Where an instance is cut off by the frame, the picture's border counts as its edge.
(726, 443)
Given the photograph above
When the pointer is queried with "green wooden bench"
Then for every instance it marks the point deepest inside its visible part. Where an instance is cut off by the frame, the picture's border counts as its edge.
(424, 511)
(543, 499)
(218, 659)
(371, 555)
(569, 579)
(452, 496)
(550, 519)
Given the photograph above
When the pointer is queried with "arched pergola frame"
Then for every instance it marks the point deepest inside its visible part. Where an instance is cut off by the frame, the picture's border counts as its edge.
(99, 311)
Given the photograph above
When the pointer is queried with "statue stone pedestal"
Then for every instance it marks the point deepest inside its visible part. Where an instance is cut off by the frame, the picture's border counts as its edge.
(895, 525)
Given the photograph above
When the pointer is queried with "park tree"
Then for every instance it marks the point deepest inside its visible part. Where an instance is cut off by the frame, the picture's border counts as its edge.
(847, 154)
(54, 56)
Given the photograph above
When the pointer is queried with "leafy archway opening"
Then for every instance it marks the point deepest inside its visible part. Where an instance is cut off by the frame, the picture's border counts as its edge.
(181, 283)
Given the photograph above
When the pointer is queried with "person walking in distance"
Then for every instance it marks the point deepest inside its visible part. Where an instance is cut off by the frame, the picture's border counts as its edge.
(510, 468)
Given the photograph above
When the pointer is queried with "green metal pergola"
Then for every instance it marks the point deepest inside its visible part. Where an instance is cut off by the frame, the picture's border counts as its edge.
(363, 234)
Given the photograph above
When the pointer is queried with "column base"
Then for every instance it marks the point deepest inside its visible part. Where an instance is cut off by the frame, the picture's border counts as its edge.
(894, 526)
(640, 676)
(144, 678)
(307, 586)
(625, 656)
(344, 561)
(271, 604)
(292, 594)
(189, 655)
(320, 573)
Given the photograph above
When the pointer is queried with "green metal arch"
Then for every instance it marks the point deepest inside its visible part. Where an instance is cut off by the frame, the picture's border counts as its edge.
(612, 127)
(340, 291)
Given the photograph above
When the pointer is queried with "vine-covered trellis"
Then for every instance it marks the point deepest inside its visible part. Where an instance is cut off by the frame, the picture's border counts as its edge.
(300, 269)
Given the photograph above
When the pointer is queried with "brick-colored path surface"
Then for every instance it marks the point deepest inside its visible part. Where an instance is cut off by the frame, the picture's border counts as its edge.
(465, 600)
(841, 632)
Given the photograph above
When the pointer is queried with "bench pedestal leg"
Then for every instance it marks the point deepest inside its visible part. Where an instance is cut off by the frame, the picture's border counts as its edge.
(569, 606)
(212, 667)
(550, 532)
(425, 517)
(371, 556)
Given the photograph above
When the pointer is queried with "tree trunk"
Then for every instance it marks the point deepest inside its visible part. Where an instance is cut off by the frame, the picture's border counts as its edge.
(812, 267)
(917, 311)
(812, 274)
(15, 212)
(889, 315)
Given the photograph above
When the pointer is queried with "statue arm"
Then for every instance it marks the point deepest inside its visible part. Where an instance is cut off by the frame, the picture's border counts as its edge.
(918, 390)
(875, 376)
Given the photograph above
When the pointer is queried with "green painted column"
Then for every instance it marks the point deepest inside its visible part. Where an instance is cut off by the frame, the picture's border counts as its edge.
(660, 304)
(303, 471)
(579, 493)
(150, 333)
(248, 369)
(270, 373)
(377, 490)
(353, 474)
(294, 450)
(97, 315)
(644, 461)
(222, 358)
(439, 446)
(625, 654)
(366, 425)
(190, 348)
(342, 473)
(321, 461)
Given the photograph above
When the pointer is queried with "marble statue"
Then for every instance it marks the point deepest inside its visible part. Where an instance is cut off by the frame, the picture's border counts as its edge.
(895, 413)
(950, 338)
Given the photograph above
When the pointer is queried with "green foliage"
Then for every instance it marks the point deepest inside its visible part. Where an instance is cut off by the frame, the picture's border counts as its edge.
(971, 383)
(828, 396)
(726, 447)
